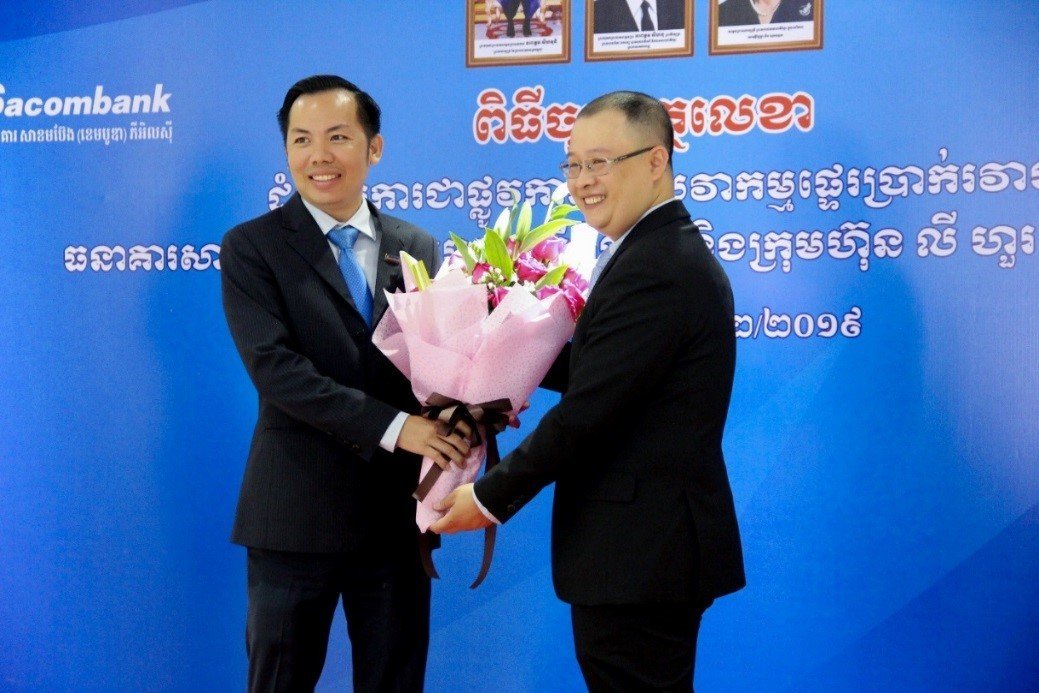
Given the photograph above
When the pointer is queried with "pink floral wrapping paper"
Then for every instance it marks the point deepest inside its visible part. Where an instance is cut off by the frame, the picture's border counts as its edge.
(444, 341)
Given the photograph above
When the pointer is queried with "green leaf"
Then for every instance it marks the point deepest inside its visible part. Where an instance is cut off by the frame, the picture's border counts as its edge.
(502, 224)
(558, 195)
(552, 277)
(562, 210)
(418, 271)
(498, 254)
(465, 252)
(511, 225)
(543, 232)
(523, 222)
(476, 248)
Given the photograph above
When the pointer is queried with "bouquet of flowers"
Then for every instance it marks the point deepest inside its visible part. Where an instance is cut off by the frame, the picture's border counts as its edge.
(476, 340)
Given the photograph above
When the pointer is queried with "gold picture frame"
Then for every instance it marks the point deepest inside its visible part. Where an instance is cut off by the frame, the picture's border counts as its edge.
(799, 28)
(612, 33)
(493, 38)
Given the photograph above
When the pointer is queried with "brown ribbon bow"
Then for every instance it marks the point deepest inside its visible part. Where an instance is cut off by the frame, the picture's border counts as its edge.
(494, 417)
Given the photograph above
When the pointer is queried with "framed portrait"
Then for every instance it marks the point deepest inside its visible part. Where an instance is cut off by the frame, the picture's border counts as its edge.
(634, 29)
(756, 26)
(517, 32)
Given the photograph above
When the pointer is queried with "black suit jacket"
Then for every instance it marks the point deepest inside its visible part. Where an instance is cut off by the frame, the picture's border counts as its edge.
(643, 511)
(613, 16)
(315, 479)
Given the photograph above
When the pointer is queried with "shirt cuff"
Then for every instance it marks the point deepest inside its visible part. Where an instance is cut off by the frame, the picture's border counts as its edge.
(485, 511)
(389, 438)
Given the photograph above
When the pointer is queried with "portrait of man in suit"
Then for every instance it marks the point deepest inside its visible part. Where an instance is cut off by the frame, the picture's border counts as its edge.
(325, 507)
(644, 531)
(744, 12)
(612, 16)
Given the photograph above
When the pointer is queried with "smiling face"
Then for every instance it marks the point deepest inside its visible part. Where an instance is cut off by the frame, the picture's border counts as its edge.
(612, 202)
(328, 152)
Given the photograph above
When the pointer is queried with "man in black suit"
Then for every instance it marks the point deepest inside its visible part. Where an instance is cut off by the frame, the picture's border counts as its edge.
(644, 533)
(610, 16)
(325, 507)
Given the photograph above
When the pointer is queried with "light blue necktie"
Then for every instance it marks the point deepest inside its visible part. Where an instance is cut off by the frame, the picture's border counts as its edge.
(600, 263)
(344, 237)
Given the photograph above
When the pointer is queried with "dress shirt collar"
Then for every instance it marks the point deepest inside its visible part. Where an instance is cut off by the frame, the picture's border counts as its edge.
(361, 220)
(617, 243)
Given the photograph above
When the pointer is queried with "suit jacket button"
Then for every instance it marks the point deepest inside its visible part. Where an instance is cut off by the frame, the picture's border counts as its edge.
(512, 507)
(355, 447)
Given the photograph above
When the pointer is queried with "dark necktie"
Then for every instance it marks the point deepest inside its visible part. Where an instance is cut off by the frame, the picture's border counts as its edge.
(344, 237)
(647, 21)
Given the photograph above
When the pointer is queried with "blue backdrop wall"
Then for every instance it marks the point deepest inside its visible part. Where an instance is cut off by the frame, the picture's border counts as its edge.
(874, 202)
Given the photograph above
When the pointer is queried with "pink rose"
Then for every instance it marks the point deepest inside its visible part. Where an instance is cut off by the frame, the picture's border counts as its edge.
(574, 298)
(496, 295)
(571, 294)
(549, 249)
(480, 269)
(546, 291)
(528, 269)
(573, 277)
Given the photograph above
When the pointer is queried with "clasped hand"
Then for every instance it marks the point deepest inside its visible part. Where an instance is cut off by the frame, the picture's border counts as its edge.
(462, 512)
(432, 439)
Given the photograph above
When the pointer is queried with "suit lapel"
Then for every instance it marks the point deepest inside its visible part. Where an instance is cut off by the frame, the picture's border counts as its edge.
(386, 274)
(308, 241)
(671, 212)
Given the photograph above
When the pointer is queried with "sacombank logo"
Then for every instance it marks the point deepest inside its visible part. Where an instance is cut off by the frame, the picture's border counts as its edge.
(99, 103)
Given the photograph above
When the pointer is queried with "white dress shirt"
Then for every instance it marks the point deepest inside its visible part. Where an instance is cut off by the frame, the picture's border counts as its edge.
(636, 12)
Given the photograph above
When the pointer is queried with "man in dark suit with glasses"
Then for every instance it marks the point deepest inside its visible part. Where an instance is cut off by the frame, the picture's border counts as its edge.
(644, 532)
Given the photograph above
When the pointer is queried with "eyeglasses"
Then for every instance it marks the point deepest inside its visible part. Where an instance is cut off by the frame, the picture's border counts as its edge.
(596, 167)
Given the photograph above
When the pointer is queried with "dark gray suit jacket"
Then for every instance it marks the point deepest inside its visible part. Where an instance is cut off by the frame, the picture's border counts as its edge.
(315, 479)
(643, 511)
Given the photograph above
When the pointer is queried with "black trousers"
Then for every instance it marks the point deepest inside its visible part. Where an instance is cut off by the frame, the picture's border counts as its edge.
(293, 597)
(637, 647)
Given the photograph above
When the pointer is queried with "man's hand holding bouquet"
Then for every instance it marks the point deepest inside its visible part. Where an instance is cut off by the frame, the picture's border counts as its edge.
(476, 340)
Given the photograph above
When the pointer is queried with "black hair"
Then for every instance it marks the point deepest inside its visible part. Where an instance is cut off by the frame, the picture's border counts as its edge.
(641, 110)
(368, 112)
